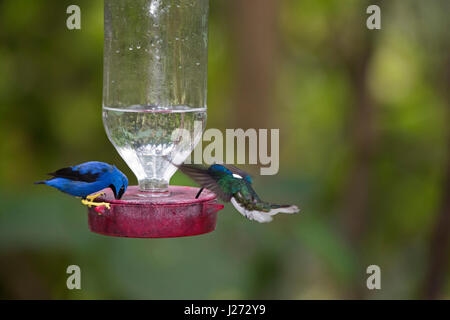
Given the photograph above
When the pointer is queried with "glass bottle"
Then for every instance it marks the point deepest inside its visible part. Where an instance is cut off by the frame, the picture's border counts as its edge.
(154, 84)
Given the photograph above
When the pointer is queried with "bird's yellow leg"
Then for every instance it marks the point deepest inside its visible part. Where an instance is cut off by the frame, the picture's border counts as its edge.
(95, 196)
(91, 203)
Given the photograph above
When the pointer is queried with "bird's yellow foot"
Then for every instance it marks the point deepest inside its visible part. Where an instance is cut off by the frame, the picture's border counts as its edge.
(91, 203)
(95, 196)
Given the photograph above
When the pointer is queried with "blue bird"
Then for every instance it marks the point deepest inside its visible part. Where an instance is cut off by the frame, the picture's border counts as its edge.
(87, 178)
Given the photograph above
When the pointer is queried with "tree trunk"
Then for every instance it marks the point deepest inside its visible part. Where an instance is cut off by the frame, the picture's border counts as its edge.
(255, 33)
(440, 239)
(354, 48)
(362, 139)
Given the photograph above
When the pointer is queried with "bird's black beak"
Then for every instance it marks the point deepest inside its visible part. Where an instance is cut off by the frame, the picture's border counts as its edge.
(121, 192)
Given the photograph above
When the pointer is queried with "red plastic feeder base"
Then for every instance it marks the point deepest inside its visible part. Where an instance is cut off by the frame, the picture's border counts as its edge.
(177, 215)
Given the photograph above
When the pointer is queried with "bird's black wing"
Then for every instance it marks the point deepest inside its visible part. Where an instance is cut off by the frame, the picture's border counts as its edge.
(75, 175)
(200, 175)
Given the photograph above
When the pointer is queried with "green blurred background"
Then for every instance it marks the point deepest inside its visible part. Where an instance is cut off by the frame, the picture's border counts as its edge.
(364, 151)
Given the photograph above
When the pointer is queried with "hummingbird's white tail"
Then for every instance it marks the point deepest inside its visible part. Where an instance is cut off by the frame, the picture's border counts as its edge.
(262, 216)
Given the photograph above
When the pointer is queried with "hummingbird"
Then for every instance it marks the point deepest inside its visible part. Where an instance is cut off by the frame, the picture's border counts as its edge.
(230, 183)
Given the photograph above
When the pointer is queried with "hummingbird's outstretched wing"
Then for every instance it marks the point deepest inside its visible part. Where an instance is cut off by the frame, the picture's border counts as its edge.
(202, 176)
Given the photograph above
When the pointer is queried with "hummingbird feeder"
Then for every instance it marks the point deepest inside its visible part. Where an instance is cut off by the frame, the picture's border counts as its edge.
(154, 113)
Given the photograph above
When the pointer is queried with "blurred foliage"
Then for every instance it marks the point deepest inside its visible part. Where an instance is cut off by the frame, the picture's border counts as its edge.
(50, 117)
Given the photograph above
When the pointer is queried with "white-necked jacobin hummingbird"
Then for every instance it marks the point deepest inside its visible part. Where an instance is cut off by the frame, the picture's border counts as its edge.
(230, 183)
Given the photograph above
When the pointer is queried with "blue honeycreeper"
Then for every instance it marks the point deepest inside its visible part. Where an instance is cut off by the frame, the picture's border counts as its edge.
(87, 178)
(230, 183)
